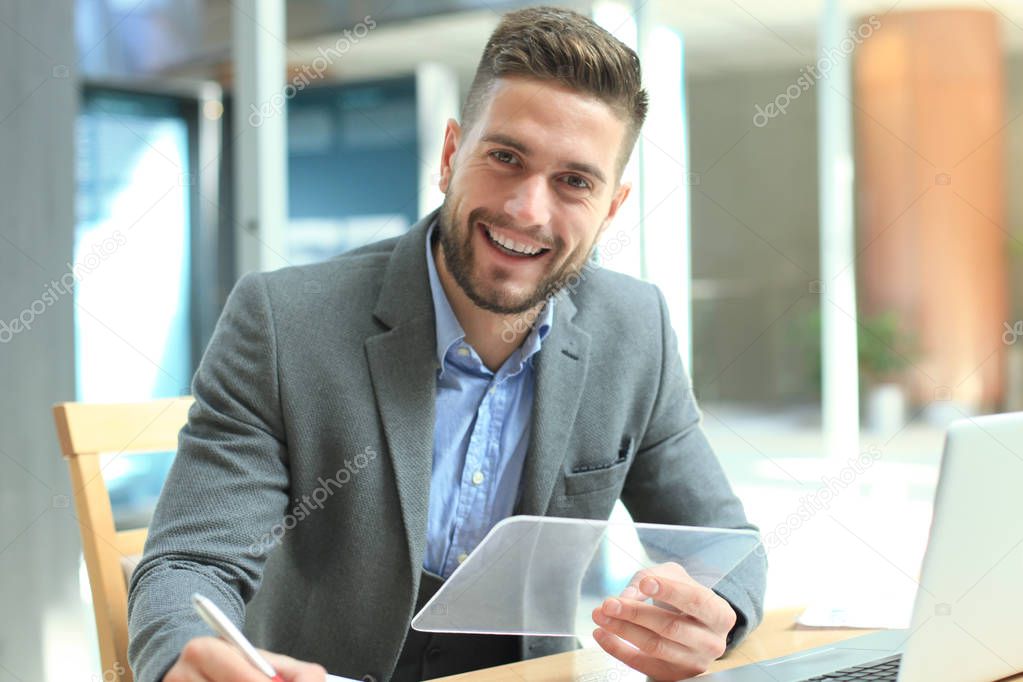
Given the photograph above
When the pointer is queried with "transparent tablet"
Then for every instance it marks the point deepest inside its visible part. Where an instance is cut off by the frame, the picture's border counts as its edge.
(540, 575)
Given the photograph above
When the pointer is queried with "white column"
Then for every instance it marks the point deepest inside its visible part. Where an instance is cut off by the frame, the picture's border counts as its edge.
(621, 249)
(650, 238)
(665, 178)
(437, 100)
(260, 122)
(49, 634)
(837, 287)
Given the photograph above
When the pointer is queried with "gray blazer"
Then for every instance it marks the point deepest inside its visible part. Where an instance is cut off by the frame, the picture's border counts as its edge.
(312, 366)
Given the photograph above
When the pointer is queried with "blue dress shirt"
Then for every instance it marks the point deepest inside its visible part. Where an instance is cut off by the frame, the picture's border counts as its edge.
(480, 435)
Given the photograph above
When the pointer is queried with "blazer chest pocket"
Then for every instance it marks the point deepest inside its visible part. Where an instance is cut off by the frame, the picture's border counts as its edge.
(586, 478)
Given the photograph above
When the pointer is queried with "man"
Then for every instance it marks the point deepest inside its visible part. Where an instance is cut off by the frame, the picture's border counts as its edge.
(391, 405)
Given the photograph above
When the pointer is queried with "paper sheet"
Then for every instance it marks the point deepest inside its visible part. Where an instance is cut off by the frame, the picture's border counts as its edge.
(882, 611)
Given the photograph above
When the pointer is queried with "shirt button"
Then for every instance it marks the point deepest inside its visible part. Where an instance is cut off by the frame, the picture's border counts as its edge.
(463, 351)
(477, 478)
(462, 557)
(492, 389)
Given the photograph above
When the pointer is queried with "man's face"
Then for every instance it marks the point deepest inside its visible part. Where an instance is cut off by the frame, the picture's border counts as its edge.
(528, 191)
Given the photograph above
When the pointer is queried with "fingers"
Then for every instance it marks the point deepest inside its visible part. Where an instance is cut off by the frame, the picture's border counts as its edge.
(294, 670)
(670, 570)
(693, 600)
(654, 621)
(208, 659)
(644, 639)
(312, 672)
(654, 668)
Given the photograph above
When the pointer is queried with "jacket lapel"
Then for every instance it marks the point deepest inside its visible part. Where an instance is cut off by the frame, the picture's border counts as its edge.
(560, 368)
(403, 363)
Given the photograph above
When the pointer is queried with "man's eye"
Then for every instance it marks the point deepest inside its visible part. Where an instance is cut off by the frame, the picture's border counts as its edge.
(577, 181)
(503, 156)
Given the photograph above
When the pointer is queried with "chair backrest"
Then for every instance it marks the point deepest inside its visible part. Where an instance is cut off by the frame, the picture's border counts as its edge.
(87, 431)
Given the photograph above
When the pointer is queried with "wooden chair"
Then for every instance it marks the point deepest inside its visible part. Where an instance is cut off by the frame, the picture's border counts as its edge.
(87, 431)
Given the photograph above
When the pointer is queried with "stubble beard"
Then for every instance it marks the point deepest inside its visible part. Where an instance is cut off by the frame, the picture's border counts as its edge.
(460, 259)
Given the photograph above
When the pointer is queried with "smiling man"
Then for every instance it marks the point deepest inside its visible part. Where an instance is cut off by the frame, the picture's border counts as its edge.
(530, 182)
(481, 367)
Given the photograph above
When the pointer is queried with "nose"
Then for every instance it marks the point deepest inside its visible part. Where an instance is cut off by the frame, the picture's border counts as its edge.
(529, 204)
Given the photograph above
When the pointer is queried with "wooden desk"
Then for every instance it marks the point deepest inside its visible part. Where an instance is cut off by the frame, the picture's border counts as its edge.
(775, 637)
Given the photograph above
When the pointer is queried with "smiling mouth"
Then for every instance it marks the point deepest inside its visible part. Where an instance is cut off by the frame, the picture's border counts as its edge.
(510, 246)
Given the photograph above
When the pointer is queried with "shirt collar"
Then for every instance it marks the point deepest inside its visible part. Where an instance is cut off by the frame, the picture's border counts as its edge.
(450, 332)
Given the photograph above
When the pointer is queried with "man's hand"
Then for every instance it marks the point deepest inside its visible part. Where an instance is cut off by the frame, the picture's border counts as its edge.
(209, 659)
(677, 636)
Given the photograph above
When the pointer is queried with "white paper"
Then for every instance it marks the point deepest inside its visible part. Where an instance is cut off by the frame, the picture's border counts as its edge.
(881, 612)
(335, 678)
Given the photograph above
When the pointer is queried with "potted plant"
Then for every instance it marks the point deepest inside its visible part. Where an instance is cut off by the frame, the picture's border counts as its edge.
(884, 351)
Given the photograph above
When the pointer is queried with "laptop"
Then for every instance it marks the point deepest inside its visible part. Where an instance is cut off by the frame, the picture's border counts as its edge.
(966, 623)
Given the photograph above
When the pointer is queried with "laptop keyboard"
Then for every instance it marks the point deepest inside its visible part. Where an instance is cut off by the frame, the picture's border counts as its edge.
(884, 670)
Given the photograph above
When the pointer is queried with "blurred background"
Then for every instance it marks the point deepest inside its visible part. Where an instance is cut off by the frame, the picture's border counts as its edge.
(824, 192)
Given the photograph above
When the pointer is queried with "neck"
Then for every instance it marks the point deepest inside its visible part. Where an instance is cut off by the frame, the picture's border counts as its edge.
(493, 336)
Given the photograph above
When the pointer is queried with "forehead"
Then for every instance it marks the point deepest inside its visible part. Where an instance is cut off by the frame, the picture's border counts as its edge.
(551, 119)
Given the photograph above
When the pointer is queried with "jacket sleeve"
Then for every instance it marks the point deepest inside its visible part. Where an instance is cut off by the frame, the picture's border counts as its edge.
(677, 479)
(227, 487)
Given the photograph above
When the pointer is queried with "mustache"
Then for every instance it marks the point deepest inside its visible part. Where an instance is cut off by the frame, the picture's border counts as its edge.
(482, 215)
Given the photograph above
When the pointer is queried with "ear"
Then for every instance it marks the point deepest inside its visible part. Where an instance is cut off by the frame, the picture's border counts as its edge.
(616, 201)
(452, 135)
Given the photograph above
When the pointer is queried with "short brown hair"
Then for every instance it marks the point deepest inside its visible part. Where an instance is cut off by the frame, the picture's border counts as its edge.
(554, 44)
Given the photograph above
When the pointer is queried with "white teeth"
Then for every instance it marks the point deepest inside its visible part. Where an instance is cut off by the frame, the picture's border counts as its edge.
(513, 245)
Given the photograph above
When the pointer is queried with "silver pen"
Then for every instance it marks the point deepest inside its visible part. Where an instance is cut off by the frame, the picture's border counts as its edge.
(223, 626)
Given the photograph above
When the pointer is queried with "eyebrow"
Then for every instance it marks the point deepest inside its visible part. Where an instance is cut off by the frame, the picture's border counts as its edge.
(507, 141)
